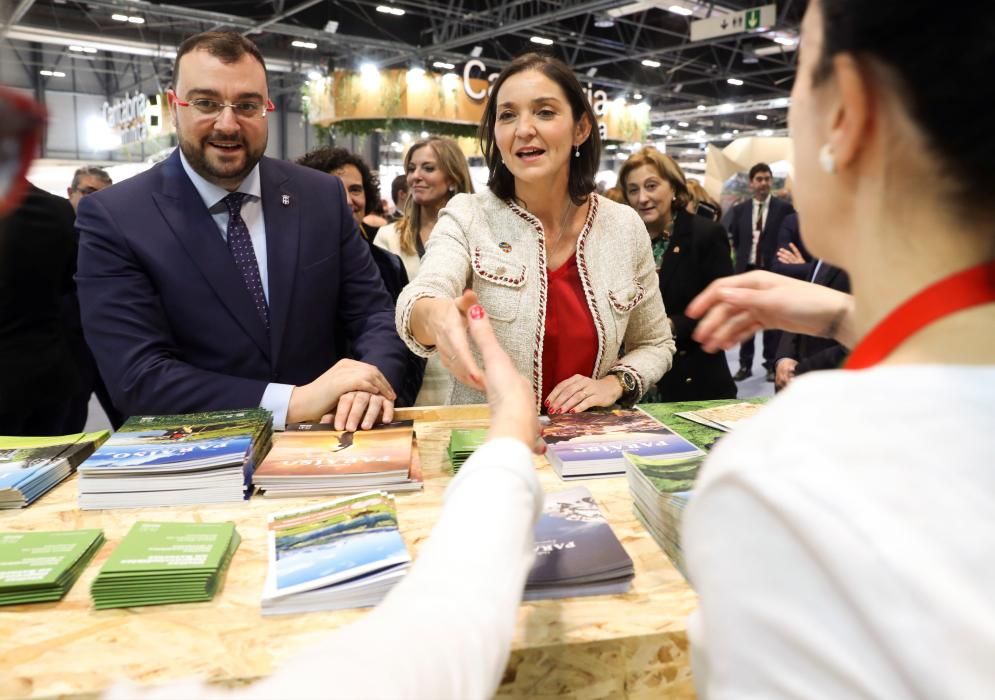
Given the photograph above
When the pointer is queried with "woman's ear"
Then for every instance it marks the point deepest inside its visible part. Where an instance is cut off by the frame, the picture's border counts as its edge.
(582, 130)
(852, 118)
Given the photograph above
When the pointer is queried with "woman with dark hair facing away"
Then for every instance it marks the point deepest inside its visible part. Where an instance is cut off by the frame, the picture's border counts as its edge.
(362, 187)
(690, 253)
(842, 542)
(566, 276)
(436, 171)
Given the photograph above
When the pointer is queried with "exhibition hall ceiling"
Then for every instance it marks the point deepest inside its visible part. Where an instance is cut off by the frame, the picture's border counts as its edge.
(641, 50)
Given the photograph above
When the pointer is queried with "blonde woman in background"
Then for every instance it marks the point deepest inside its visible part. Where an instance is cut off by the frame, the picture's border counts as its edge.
(436, 171)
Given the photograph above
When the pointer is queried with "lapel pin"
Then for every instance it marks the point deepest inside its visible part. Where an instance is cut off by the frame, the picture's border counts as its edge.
(677, 249)
(506, 247)
(285, 200)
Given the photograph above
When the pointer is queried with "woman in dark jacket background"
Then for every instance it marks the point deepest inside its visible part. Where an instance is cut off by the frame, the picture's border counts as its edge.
(690, 252)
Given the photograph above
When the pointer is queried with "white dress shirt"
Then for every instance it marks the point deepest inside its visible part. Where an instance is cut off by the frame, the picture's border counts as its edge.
(445, 631)
(276, 397)
(753, 224)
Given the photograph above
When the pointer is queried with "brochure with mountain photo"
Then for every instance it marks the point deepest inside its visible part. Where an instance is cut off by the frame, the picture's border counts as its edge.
(315, 459)
(591, 444)
(32, 466)
(577, 553)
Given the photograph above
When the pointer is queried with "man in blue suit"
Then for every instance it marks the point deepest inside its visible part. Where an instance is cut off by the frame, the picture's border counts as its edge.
(219, 278)
(754, 227)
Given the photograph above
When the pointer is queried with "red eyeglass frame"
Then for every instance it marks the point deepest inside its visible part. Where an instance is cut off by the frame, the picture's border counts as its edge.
(25, 122)
(270, 107)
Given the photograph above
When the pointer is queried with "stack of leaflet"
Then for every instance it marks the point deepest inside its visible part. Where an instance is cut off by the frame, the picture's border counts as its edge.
(32, 466)
(577, 554)
(660, 490)
(344, 554)
(162, 563)
(725, 417)
(40, 567)
(175, 460)
(590, 444)
(462, 444)
(311, 459)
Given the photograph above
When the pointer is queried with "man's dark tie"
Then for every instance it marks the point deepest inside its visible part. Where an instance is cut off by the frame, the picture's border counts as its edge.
(240, 245)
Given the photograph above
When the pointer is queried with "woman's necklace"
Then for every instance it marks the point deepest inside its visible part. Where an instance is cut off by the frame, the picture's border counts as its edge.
(567, 211)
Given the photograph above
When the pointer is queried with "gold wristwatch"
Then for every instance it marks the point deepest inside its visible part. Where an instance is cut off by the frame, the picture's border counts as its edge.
(629, 384)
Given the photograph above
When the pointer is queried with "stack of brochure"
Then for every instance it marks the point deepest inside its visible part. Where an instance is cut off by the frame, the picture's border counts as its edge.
(32, 466)
(175, 460)
(40, 567)
(661, 488)
(725, 417)
(311, 459)
(577, 553)
(344, 554)
(462, 444)
(162, 563)
(590, 444)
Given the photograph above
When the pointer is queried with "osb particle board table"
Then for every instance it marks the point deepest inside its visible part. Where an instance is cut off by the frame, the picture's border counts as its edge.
(631, 645)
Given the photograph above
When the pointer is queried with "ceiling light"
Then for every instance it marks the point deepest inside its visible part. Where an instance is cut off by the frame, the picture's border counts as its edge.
(650, 63)
(313, 75)
(304, 44)
(443, 65)
(416, 72)
(767, 132)
(331, 26)
(119, 18)
(604, 22)
(591, 72)
(678, 10)
(726, 108)
(476, 51)
(612, 147)
(734, 81)
(637, 96)
(390, 10)
(762, 117)
(785, 40)
(701, 160)
(541, 40)
(727, 135)
(735, 131)
(701, 108)
(700, 132)
(137, 20)
(53, 73)
(682, 124)
(368, 70)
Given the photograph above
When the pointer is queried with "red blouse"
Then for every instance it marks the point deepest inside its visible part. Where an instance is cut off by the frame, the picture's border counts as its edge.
(571, 342)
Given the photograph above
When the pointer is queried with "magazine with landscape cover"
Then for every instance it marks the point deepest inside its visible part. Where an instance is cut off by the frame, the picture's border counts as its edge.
(662, 487)
(347, 553)
(189, 458)
(32, 466)
(577, 553)
(315, 459)
(591, 444)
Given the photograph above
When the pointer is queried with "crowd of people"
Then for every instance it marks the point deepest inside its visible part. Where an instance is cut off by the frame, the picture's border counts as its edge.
(829, 558)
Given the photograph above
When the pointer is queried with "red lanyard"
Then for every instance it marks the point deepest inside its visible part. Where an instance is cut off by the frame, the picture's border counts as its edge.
(962, 290)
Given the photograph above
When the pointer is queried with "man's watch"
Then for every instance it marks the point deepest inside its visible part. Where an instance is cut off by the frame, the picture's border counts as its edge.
(629, 384)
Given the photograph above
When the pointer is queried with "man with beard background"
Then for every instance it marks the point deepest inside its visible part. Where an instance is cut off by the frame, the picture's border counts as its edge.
(220, 278)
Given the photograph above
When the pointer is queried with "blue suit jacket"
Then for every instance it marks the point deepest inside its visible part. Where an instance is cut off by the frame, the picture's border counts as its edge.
(169, 318)
(741, 232)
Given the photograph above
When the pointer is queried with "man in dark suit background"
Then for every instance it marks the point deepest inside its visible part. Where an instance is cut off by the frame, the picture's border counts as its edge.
(753, 228)
(796, 353)
(219, 278)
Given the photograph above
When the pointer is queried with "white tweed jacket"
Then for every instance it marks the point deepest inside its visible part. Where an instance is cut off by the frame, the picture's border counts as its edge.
(497, 249)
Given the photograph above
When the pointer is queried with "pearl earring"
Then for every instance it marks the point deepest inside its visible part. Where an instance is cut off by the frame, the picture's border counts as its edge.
(826, 159)
(577, 151)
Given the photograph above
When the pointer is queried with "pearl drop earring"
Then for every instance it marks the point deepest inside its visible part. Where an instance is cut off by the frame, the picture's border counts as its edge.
(577, 151)
(826, 159)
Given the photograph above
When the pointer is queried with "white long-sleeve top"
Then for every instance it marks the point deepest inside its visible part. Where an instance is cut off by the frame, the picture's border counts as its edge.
(842, 543)
(445, 631)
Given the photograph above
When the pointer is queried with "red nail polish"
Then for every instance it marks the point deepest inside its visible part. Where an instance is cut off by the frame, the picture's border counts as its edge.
(477, 312)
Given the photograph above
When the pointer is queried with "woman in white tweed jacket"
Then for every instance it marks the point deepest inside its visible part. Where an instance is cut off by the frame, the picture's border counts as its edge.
(540, 214)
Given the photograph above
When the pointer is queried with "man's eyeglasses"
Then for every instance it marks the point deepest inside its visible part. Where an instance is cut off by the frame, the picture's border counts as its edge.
(213, 108)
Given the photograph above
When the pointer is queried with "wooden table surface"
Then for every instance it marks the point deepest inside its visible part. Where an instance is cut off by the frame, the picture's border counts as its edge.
(631, 645)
